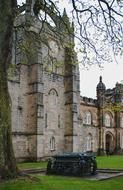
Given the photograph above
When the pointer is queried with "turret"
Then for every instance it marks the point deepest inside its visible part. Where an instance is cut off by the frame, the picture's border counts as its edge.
(65, 18)
(29, 6)
(66, 25)
(101, 88)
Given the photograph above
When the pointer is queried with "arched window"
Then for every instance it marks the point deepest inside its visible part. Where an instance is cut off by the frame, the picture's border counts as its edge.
(52, 143)
(121, 122)
(89, 142)
(121, 142)
(87, 118)
(53, 97)
(107, 120)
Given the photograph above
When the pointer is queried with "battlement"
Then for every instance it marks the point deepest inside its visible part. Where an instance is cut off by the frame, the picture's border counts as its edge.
(109, 92)
(88, 101)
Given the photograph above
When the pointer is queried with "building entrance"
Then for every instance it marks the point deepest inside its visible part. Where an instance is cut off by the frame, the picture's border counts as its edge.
(109, 144)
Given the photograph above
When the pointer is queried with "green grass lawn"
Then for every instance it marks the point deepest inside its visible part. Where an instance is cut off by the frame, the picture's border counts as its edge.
(115, 162)
(62, 183)
(32, 165)
(66, 183)
(102, 162)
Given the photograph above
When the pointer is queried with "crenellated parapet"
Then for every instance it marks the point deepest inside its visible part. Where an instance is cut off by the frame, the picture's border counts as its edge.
(88, 101)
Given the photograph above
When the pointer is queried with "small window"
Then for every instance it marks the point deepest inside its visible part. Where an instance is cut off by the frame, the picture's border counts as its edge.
(87, 118)
(121, 122)
(40, 111)
(40, 99)
(122, 142)
(52, 143)
(58, 121)
(107, 120)
(45, 120)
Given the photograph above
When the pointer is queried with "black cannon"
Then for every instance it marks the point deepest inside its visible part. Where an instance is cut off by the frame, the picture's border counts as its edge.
(72, 164)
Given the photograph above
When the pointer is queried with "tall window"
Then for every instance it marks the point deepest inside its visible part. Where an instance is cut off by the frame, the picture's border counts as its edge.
(53, 97)
(45, 120)
(121, 142)
(89, 142)
(59, 121)
(107, 120)
(40, 111)
(121, 122)
(87, 118)
(52, 143)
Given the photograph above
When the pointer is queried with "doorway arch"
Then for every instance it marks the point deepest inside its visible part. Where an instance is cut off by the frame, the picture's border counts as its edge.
(109, 143)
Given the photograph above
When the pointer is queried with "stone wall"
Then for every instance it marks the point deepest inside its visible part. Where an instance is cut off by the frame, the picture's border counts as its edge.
(54, 118)
(93, 128)
(47, 109)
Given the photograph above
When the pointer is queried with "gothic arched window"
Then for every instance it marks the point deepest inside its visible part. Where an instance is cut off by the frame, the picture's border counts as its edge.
(107, 120)
(87, 118)
(52, 143)
(53, 97)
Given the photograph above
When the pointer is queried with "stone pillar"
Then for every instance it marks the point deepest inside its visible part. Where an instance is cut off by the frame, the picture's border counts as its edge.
(40, 108)
(71, 104)
(100, 104)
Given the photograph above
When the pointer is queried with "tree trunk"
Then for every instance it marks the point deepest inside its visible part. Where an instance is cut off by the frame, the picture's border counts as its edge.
(7, 159)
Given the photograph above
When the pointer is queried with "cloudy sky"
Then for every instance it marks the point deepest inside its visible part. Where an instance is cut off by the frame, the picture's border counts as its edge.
(111, 73)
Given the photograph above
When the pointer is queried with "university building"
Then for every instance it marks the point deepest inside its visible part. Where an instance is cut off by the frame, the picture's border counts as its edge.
(48, 114)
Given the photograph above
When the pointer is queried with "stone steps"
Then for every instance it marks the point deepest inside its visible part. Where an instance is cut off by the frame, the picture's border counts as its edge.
(102, 174)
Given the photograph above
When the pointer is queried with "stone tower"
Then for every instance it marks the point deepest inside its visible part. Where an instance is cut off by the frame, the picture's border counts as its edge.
(44, 89)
